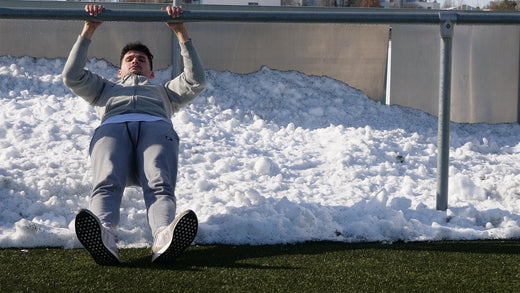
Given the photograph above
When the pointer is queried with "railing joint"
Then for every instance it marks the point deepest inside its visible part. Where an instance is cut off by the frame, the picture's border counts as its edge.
(447, 21)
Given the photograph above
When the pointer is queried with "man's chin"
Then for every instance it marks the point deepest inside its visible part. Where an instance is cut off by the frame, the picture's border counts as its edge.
(136, 72)
(133, 72)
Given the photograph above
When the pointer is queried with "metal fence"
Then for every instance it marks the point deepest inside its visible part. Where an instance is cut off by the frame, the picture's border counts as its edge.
(446, 20)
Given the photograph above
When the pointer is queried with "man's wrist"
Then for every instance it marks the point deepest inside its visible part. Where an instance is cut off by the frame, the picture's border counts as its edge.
(182, 34)
(88, 30)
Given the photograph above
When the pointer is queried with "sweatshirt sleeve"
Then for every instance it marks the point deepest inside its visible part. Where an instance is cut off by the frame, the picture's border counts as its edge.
(81, 81)
(191, 82)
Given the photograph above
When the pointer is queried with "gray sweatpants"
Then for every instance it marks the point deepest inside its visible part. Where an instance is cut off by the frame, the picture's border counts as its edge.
(135, 153)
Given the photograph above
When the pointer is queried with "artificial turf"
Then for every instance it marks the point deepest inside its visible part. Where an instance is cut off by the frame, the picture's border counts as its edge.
(446, 266)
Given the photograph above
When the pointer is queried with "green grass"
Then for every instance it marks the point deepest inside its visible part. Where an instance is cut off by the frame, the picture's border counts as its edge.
(458, 266)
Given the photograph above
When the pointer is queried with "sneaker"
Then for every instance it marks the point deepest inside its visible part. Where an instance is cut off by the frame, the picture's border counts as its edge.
(98, 240)
(175, 238)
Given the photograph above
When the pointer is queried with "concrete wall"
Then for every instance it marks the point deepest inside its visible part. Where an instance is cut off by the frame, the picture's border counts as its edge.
(54, 39)
(485, 71)
(354, 54)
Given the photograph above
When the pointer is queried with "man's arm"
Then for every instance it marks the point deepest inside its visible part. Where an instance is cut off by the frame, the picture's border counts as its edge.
(81, 81)
(192, 81)
(178, 27)
(90, 26)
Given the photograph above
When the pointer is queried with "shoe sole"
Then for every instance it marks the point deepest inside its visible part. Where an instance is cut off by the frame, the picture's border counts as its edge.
(88, 231)
(183, 235)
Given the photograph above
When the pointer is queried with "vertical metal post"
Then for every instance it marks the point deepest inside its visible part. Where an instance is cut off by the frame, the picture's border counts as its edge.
(447, 23)
(176, 50)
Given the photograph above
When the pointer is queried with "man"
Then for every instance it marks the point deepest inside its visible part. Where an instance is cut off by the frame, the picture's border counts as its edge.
(135, 143)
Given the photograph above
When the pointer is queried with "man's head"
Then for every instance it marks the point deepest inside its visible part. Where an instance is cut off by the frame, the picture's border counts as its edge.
(136, 58)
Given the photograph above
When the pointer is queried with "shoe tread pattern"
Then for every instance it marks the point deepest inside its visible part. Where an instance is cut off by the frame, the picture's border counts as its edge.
(183, 235)
(88, 231)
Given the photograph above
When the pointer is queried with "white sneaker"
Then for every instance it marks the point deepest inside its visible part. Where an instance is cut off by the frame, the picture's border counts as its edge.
(98, 240)
(175, 238)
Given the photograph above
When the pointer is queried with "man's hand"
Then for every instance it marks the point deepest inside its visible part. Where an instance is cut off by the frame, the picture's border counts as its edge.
(90, 26)
(177, 27)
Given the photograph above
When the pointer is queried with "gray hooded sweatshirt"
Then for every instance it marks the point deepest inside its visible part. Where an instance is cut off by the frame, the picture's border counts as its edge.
(134, 93)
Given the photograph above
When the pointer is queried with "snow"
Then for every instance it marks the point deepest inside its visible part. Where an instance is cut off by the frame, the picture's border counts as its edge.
(268, 157)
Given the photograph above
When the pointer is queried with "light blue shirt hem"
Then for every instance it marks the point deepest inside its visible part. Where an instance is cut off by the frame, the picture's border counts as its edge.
(134, 117)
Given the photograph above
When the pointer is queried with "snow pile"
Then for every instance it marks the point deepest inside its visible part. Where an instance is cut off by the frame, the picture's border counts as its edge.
(269, 157)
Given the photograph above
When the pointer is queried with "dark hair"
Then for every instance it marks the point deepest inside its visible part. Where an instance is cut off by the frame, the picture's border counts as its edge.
(136, 47)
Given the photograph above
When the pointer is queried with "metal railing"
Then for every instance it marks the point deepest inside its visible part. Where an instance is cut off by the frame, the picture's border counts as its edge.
(446, 21)
(365, 16)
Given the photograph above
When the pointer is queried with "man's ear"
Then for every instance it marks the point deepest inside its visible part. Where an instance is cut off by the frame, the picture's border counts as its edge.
(119, 73)
(152, 75)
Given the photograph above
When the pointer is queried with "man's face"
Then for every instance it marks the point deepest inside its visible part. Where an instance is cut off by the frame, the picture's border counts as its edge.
(135, 62)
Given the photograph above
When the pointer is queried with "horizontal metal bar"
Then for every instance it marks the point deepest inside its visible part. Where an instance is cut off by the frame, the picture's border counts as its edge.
(233, 16)
(316, 17)
(488, 18)
(376, 16)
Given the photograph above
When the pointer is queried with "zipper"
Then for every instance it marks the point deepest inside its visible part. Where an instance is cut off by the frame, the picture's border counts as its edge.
(134, 97)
